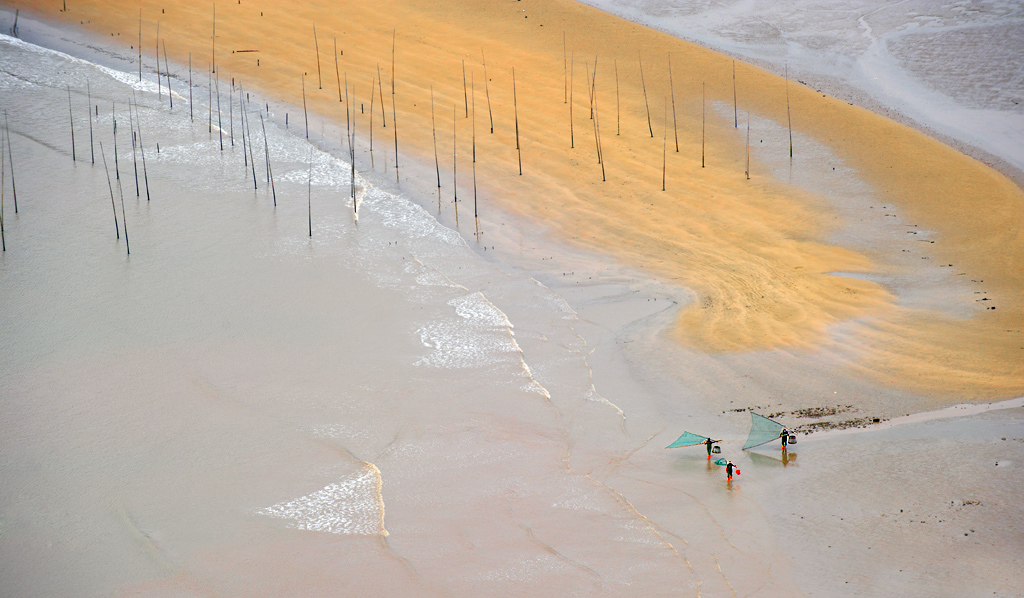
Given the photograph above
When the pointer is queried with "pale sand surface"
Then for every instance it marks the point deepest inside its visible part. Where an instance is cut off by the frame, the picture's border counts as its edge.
(563, 497)
(756, 253)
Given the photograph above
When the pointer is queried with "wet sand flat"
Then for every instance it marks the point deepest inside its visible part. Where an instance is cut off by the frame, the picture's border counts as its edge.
(756, 253)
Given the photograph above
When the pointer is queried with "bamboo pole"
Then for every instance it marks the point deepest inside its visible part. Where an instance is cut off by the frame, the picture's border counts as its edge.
(644, 85)
(159, 91)
(664, 150)
(515, 106)
(747, 172)
(113, 117)
(352, 155)
(672, 90)
(266, 149)
(465, 93)
(393, 35)
(735, 106)
(572, 66)
(373, 83)
(789, 118)
(10, 159)
(88, 113)
(209, 103)
(565, 71)
(394, 122)
(337, 73)
(120, 191)
(437, 163)
(71, 119)
(191, 117)
(241, 117)
(593, 88)
(167, 73)
(618, 120)
(597, 134)
(309, 192)
(487, 90)
(380, 87)
(231, 119)
(246, 131)
(455, 161)
(703, 120)
(142, 149)
(106, 169)
(3, 185)
(476, 214)
(316, 44)
(135, 161)
(304, 111)
(220, 124)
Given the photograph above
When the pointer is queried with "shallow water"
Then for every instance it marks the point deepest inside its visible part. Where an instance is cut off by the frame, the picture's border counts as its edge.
(242, 407)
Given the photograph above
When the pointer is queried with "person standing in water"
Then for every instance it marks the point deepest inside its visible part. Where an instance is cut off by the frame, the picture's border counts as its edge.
(729, 467)
(709, 443)
(784, 435)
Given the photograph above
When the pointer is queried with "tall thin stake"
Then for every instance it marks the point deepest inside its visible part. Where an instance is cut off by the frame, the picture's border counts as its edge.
(465, 92)
(373, 83)
(135, 161)
(337, 73)
(565, 70)
(71, 119)
(88, 113)
(597, 135)
(316, 44)
(672, 90)
(231, 120)
(190, 113)
(209, 102)
(309, 192)
(117, 228)
(515, 106)
(455, 161)
(247, 132)
(748, 147)
(572, 66)
(380, 88)
(703, 120)
(664, 150)
(167, 73)
(487, 90)
(644, 85)
(304, 112)
(10, 159)
(220, 124)
(735, 106)
(789, 118)
(476, 217)
(618, 120)
(437, 163)
(3, 238)
(142, 149)
(394, 122)
(394, 33)
(266, 149)
(593, 88)
(159, 91)
(140, 45)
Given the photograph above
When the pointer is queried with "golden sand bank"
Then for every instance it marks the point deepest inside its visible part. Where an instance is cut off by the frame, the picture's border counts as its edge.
(754, 251)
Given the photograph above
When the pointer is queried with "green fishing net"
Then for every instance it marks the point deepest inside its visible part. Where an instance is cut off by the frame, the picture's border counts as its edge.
(762, 430)
(687, 439)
